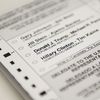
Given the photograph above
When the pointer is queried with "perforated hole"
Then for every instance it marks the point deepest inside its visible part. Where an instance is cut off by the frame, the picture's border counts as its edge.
(43, 93)
(19, 70)
(12, 62)
(6, 55)
(33, 85)
(26, 77)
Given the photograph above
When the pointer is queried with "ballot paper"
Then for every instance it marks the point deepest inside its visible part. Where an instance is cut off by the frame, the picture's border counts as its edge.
(50, 49)
(95, 4)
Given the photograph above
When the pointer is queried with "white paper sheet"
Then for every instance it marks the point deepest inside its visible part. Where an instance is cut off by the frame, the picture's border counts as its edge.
(51, 49)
